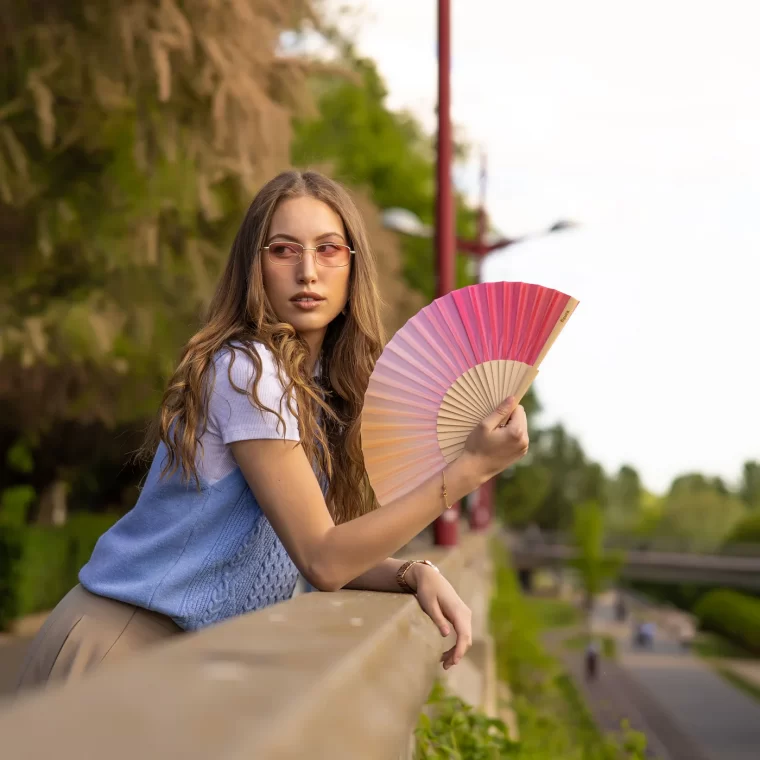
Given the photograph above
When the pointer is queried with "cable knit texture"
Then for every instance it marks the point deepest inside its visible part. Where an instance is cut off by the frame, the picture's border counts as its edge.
(201, 556)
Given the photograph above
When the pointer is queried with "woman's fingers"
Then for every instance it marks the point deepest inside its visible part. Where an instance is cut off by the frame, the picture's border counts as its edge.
(436, 615)
(462, 623)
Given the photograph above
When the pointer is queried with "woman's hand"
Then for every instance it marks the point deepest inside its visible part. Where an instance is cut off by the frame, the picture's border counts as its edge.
(499, 441)
(444, 607)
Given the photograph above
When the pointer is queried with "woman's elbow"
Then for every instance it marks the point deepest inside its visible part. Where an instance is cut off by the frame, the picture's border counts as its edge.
(324, 577)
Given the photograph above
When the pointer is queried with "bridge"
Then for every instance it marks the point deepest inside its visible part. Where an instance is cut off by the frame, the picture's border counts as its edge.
(662, 561)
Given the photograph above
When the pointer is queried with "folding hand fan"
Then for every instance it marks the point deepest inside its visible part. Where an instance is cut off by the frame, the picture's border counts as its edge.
(446, 369)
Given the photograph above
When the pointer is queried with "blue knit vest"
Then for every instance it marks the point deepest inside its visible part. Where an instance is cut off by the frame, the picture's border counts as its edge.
(198, 556)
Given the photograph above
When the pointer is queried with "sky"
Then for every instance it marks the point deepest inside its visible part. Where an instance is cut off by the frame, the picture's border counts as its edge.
(641, 121)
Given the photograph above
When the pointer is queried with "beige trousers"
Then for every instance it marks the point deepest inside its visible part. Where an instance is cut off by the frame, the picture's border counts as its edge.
(85, 630)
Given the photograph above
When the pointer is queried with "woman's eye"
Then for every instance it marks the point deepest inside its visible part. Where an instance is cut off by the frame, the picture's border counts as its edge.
(328, 248)
(280, 249)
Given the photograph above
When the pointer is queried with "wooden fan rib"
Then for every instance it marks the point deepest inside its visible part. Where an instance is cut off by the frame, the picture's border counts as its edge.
(459, 399)
(451, 411)
(470, 389)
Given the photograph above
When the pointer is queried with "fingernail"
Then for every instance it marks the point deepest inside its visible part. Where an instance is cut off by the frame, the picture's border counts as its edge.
(445, 631)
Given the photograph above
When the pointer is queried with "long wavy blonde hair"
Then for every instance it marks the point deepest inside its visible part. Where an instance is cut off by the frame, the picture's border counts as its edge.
(240, 313)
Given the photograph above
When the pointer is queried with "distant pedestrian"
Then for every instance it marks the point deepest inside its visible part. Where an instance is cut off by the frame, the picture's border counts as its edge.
(592, 660)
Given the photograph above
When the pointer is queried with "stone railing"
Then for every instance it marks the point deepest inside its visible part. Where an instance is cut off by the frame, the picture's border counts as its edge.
(342, 676)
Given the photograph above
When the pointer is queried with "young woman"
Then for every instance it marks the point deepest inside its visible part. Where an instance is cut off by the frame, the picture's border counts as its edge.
(257, 471)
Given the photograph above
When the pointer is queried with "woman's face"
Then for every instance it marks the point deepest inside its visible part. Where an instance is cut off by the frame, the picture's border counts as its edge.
(306, 294)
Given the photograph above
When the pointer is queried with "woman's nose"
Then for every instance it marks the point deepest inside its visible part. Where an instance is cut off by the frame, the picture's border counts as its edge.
(307, 268)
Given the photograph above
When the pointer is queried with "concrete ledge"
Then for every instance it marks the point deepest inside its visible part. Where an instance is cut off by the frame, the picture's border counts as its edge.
(338, 676)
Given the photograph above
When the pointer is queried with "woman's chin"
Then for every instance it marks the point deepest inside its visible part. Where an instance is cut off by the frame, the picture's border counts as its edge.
(304, 323)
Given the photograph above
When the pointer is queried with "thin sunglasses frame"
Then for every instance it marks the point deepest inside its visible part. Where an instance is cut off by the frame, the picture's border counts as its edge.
(304, 249)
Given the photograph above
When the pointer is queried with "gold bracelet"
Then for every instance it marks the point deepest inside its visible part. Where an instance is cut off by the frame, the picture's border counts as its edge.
(405, 587)
(443, 490)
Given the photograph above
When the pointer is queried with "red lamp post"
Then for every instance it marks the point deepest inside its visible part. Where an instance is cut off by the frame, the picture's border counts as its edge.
(445, 527)
(446, 245)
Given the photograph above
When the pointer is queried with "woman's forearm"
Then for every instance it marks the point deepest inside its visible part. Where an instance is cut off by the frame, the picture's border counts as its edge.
(381, 577)
(351, 549)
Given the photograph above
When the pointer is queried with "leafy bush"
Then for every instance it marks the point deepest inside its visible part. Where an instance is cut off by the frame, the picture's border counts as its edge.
(14, 504)
(747, 531)
(454, 730)
(552, 717)
(554, 613)
(10, 560)
(39, 565)
(732, 614)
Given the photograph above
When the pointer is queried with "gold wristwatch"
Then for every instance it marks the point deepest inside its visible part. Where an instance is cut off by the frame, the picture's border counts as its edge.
(405, 587)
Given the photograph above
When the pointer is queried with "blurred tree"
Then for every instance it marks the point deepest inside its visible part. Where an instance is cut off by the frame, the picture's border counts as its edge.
(563, 457)
(746, 531)
(700, 520)
(625, 500)
(595, 565)
(554, 477)
(520, 493)
(749, 489)
(132, 136)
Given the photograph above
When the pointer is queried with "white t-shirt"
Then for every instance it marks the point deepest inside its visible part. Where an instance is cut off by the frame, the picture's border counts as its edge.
(232, 416)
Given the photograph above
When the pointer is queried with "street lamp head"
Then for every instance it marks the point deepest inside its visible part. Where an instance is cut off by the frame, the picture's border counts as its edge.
(406, 222)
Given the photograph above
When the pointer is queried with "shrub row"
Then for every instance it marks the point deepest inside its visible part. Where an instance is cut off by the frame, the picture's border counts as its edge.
(733, 615)
(38, 565)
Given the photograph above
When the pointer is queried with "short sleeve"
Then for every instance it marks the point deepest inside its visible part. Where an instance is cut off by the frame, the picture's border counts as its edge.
(234, 415)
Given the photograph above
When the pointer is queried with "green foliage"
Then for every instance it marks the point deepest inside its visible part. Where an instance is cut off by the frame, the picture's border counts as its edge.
(450, 729)
(39, 565)
(553, 613)
(10, 566)
(682, 595)
(596, 566)
(122, 177)
(521, 493)
(19, 457)
(545, 487)
(746, 531)
(552, 718)
(624, 506)
(733, 615)
(130, 148)
(15, 503)
(711, 645)
(699, 515)
(749, 490)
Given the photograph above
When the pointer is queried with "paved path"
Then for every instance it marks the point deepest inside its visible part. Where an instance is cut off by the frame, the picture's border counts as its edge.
(615, 696)
(721, 720)
(12, 651)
